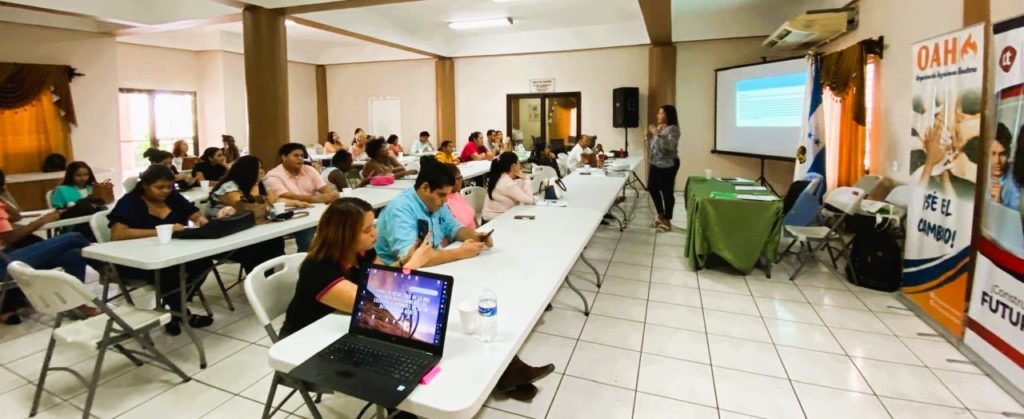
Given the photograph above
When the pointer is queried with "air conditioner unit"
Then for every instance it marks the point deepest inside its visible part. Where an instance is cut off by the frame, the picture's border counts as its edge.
(813, 28)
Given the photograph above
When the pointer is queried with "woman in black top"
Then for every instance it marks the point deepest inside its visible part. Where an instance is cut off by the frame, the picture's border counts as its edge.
(342, 249)
(154, 202)
(543, 156)
(211, 166)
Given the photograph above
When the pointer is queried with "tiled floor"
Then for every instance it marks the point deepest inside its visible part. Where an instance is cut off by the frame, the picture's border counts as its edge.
(662, 342)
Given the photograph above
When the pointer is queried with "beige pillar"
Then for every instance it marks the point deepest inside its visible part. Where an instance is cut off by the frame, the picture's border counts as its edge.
(444, 82)
(266, 81)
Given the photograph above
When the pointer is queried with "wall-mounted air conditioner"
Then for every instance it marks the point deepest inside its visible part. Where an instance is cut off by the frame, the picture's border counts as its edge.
(813, 28)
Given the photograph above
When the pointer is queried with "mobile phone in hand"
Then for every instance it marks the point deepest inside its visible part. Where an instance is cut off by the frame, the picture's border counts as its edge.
(422, 228)
(523, 217)
(486, 235)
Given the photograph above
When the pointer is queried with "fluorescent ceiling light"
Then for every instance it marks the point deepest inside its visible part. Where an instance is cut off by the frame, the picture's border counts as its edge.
(481, 23)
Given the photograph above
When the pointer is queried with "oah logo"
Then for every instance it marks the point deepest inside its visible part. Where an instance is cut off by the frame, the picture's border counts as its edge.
(1007, 58)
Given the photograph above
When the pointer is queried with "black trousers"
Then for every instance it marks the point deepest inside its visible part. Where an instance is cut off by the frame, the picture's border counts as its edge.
(661, 184)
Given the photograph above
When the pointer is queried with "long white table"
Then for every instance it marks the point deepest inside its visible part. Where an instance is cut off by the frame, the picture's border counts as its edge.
(474, 168)
(376, 197)
(525, 268)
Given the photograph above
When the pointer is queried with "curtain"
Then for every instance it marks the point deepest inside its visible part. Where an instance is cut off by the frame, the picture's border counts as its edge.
(832, 110)
(21, 84)
(851, 141)
(29, 133)
(842, 72)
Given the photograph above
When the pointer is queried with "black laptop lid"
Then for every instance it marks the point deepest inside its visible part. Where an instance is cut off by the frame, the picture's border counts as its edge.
(405, 307)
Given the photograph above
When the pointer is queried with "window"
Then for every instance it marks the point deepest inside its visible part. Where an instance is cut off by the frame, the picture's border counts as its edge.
(154, 118)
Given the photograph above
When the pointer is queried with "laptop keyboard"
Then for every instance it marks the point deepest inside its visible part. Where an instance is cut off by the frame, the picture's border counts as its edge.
(391, 363)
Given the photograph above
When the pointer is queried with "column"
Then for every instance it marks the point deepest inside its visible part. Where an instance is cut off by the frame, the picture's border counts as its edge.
(661, 80)
(266, 81)
(322, 121)
(444, 82)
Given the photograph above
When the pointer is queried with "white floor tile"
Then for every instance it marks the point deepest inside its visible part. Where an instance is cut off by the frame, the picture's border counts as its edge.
(610, 331)
(823, 369)
(536, 408)
(875, 346)
(625, 287)
(756, 395)
(679, 380)
(566, 323)
(261, 389)
(733, 303)
(905, 409)
(830, 403)
(600, 264)
(905, 382)
(820, 278)
(24, 345)
(585, 281)
(65, 385)
(775, 290)
(883, 303)
(937, 355)
(653, 407)
(676, 343)
(745, 355)
(335, 405)
(567, 299)
(619, 307)
(847, 318)
(787, 310)
(583, 399)
(803, 335)
(674, 238)
(736, 325)
(129, 390)
(238, 371)
(634, 272)
(17, 403)
(192, 399)
(237, 407)
(542, 348)
(909, 326)
(642, 258)
(598, 253)
(671, 262)
(674, 277)
(831, 297)
(675, 295)
(669, 250)
(978, 392)
(605, 364)
(716, 281)
(488, 413)
(60, 411)
(725, 414)
(10, 381)
(671, 315)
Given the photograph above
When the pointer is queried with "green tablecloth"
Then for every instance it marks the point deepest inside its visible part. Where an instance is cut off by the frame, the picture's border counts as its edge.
(739, 231)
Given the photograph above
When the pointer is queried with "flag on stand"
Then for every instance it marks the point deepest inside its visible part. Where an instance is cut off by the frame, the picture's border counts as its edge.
(810, 153)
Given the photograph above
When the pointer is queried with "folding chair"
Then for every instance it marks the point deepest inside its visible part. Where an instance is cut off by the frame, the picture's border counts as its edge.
(844, 201)
(54, 292)
(868, 183)
(129, 183)
(544, 172)
(204, 207)
(476, 196)
(269, 297)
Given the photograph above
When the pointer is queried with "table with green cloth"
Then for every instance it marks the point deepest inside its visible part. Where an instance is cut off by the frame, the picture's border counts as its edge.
(737, 230)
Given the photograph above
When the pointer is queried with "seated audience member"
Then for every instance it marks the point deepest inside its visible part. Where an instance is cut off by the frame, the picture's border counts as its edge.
(506, 143)
(400, 221)
(491, 143)
(543, 156)
(358, 148)
(460, 207)
(294, 180)
(342, 162)
(230, 150)
(154, 202)
(381, 163)
(211, 166)
(179, 151)
(356, 134)
(341, 252)
(242, 184)
(423, 145)
(78, 183)
(506, 186)
(5, 195)
(164, 158)
(333, 143)
(474, 149)
(394, 146)
(55, 162)
(580, 153)
(446, 153)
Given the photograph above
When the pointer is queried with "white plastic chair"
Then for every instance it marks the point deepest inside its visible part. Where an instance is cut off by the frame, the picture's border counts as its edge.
(129, 183)
(845, 201)
(413, 165)
(327, 173)
(900, 196)
(476, 196)
(544, 172)
(49, 198)
(563, 162)
(269, 297)
(55, 292)
(868, 183)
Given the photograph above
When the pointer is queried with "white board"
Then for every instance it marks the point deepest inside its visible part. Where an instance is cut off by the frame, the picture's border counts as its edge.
(385, 116)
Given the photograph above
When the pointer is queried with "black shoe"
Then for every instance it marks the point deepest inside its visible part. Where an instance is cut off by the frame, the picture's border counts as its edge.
(173, 328)
(549, 307)
(608, 216)
(196, 321)
(12, 319)
(605, 223)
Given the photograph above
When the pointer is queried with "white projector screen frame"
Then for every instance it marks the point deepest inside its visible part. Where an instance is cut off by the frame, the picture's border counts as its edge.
(730, 101)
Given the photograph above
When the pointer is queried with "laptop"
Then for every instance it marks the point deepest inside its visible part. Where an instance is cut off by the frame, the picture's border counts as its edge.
(396, 337)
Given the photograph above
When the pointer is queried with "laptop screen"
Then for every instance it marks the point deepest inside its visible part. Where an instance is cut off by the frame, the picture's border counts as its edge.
(405, 307)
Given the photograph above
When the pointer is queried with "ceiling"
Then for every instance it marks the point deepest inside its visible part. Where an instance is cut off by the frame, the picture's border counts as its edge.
(384, 30)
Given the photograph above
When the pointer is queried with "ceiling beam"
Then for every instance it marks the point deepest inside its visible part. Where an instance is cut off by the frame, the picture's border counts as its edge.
(179, 25)
(67, 13)
(338, 5)
(356, 35)
(658, 18)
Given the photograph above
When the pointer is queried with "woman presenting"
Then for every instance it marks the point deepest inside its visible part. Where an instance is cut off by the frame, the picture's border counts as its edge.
(661, 178)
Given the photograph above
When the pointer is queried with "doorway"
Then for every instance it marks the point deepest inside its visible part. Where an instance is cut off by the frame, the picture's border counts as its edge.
(552, 117)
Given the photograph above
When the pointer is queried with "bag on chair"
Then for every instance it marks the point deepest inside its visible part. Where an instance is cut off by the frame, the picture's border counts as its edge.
(875, 261)
(260, 209)
(219, 227)
(555, 190)
(103, 192)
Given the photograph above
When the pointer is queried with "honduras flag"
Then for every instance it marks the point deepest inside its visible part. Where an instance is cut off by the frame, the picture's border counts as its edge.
(810, 153)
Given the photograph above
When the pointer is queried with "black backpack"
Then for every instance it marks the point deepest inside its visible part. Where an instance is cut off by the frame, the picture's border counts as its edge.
(876, 261)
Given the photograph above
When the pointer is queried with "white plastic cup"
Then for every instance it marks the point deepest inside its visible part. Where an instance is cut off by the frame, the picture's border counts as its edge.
(205, 185)
(164, 232)
(346, 192)
(707, 173)
(278, 208)
(469, 315)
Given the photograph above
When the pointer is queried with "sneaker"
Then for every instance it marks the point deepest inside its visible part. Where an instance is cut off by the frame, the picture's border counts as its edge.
(523, 393)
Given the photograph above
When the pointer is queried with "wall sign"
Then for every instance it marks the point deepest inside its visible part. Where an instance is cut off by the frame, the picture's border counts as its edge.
(542, 85)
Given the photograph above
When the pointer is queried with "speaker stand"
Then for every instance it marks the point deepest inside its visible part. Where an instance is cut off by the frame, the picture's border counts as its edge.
(764, 180)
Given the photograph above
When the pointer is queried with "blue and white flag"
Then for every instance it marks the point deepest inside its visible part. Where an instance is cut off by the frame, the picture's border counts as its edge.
(810, 153)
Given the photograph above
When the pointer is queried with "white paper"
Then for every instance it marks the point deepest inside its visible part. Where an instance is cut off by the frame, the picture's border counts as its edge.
(751, 188)
(552, 203)
(757, 197)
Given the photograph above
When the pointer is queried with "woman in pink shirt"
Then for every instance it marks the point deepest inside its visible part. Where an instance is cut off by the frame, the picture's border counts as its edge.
(460, 207)
(506, 186)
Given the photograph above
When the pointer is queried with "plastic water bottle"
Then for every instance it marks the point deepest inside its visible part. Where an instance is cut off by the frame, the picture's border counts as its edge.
(487, 325)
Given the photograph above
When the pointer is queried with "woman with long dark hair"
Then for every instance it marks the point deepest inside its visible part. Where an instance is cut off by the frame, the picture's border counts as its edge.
(661, 178)
(333, 143)
(543, 156)
(212, 166)
(78, 183)
(231, 152)
(506, 186)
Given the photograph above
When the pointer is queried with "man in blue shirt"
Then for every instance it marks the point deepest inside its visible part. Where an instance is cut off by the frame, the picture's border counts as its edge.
(399, 225)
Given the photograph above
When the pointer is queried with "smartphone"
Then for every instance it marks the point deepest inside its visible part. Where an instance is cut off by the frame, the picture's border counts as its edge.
(487, 236)
(422, 228)
(521, 217)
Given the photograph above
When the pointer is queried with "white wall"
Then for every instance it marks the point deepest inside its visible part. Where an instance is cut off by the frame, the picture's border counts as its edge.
(94, 95)
(482, 83)
(1005, 9)
(211, 98)
(302, 103)
(236, 109)
(142, 67)
(350, 86)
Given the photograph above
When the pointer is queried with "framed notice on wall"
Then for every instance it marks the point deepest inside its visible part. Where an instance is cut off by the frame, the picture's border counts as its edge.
(542, 85)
